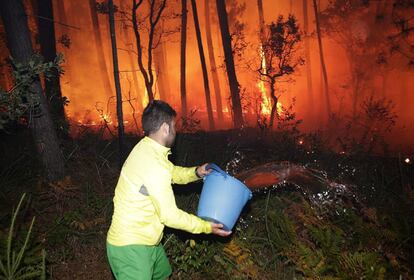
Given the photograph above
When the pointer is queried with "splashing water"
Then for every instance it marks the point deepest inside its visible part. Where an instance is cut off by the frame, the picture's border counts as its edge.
(314, 185)
(233, 166)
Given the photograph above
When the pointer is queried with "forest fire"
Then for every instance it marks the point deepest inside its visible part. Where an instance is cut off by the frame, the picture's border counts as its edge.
(250, 52)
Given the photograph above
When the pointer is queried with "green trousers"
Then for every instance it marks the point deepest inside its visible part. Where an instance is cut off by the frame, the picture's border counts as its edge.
(138, 262)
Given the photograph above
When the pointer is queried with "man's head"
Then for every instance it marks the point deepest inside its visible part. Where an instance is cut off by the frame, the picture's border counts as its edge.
(158, 121)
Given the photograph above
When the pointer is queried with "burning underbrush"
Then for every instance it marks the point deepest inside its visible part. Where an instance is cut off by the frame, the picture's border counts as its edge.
(348, 217)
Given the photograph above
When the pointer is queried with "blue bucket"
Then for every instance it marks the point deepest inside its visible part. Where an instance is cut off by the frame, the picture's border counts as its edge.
(222, 198)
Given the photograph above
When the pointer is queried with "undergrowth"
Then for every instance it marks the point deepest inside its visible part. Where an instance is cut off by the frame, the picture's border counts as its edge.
(281, 234)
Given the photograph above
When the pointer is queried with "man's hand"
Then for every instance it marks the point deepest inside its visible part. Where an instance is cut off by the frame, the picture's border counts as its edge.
(202, 171)
(217, 230)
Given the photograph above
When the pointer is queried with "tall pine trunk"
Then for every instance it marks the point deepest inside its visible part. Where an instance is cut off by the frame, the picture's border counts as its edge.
(117, 84)
(213, 66)
(231, 70)
(41, 125)
(48, 50)
(261, 20)
(134, 74)
(323, 65)
(100, 54)
(161, 69)
(307, 54)
(203, 66)
(183, 43)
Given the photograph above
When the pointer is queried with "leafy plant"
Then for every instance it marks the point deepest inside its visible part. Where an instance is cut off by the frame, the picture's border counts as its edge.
(189, 256)
(23, 263)
(19, 101)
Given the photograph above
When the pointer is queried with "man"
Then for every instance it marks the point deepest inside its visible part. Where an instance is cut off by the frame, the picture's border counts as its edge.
(144, 201)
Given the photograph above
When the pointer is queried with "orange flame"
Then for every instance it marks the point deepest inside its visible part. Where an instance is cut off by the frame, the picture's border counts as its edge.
(265, 106)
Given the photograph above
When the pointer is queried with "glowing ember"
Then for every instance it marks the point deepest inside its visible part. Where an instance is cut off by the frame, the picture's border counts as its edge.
(407, 161)
(279, 108)
(107, 118)
(145, 99)
(301, 142)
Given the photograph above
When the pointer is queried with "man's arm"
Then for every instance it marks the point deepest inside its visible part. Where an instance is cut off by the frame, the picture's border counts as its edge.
(162, 196)
(185, 175)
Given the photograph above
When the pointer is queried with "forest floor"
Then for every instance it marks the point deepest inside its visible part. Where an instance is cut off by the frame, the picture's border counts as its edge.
(283, 232)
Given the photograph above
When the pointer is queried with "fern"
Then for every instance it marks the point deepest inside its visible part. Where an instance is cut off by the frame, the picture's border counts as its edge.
(330, 240)
(281, 229)
(312, 263)
(20, 264)
(363, 265)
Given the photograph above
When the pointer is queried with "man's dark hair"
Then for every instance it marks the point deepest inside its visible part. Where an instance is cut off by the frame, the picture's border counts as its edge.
(155, 114)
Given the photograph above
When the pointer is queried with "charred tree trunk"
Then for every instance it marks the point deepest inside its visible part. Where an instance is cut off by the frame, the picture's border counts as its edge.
(117, 84)
(203, 65)
(324, 73)
(20, 47)
(48, 49)
(231, 70)
(100, 54)
(307, 53)
(212, 59)
(274, 98)
(183, 88)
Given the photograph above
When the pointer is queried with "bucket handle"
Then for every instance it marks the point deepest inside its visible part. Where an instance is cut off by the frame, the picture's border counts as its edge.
(215, 167)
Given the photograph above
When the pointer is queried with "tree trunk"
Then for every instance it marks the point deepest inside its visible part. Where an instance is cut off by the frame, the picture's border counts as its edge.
(153, 18)
(41, 125)
(117, 84)
(262, 29)
(100, 54)
(48, 50)
(161, 69)
(203, 65)
(213, 67)
(183, 88)
(231, 71)
(261, 20)
(128, 45)
(324, 72)
(274, 98)
(307, 53)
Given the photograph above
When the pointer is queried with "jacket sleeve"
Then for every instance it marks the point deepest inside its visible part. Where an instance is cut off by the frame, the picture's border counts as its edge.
(184, 175)
(162, 197)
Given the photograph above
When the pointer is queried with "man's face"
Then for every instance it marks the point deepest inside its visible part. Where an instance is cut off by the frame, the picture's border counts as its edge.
(170, 138)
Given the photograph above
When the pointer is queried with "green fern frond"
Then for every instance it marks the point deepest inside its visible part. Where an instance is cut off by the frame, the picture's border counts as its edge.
(329, 239)
(282, 229)
(19, 264)
(366, 265)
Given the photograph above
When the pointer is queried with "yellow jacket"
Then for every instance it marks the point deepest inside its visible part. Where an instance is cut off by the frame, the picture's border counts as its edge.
(144, 200)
